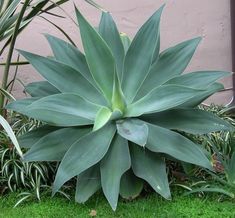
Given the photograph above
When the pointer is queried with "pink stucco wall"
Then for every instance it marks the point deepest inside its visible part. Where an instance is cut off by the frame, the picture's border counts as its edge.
(181, 20)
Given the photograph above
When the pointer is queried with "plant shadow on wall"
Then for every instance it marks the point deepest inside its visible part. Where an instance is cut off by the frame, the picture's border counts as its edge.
(114, 115)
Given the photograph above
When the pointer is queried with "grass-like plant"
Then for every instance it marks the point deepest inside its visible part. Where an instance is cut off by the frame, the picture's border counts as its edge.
(114, 114)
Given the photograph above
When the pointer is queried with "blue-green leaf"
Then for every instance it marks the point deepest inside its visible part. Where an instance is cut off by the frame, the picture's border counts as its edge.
(139, 56)
(102, 117)
(133, 130)
(200, 79)
(198, 99)
(160, 99)
(88, 182)
(125, 41)
(162, 140)
(41, 89)
(64, 77)
(52, 147)
(130, 186)
(109, 32)
(64, 109)
(193, 121)
(99, 57)
(171, 62)
(66, 53)
(152, 168)
(20, 105)
(83, 154)
(115, 163)
(30, 138)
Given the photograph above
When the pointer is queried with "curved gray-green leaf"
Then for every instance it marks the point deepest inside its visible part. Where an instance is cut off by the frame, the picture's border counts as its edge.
(30, 138)
(20, 105)
(139, 56)
(152, 168)
(102, 117)
(193, 121)
(98, 55)
(133, 130)
(64, 77)
(171, 62)
(177, 146)
(88, 183)
(53, 147)
(41, 89)
(63, 110)
(83, 154)
(125, 41)
(160, 99)
(200, 79)
(130, 186)
(198, 99)
(115, 163)
(66, 53)
(109, 32)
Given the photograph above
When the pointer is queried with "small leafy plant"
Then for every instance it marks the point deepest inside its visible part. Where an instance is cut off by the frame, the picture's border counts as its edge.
(113, 115)
(15, 174)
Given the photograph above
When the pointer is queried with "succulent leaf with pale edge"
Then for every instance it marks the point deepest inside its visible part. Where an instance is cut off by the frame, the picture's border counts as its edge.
(113, 115)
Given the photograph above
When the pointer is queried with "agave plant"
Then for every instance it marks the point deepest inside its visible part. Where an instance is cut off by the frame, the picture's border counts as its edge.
(114, 114)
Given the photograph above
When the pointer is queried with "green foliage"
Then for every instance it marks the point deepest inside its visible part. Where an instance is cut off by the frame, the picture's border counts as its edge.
(222, 149)
(15, 15)
(99, 110)
(16, 174)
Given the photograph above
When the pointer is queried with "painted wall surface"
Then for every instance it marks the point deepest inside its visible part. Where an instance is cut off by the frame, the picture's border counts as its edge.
(181, 20)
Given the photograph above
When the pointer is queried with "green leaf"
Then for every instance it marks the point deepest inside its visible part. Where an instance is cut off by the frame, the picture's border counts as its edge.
(11, 134)
(109, 32)
(115, 163)
(88, 183)
(133, 130)
(160, 99)
(118, 99)
(52, 146)
(230, 171)
(171, 62)
(83, 154)
(99, 57)
(102, 117)
(93, 3)
(8, 95)
(30, 138)
(212, 189)
(198, 99)
(139, 56)
(116, 114)
(8, 12)
(68, 54)
(157, 50)
(20, 105)
(64, 77)
(152, 168)
(200, 79)
(162, 140)
(193, 121)
(125, 41)
(64, 109)
(41, 89)
(130, 186)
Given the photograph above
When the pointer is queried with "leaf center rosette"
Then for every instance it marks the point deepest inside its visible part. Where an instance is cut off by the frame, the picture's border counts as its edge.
(113, 115)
